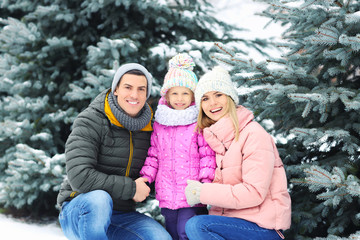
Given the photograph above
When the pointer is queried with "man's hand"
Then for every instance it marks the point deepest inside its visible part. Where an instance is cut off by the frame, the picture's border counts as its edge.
(142, 190)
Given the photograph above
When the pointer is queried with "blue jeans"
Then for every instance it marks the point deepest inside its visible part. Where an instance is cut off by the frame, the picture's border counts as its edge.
(209, 227)
(90, 216)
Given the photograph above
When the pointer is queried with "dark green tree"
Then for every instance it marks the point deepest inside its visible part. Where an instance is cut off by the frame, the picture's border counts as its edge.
(311, 95)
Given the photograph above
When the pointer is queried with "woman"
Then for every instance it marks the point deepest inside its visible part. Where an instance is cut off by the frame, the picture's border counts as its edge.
(248, 197)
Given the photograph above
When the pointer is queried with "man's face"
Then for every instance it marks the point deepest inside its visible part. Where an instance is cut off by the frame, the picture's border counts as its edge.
(131, 93)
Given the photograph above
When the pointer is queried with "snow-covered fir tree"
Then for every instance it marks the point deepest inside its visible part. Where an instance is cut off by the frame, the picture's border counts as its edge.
(57, 55)
(312, 96)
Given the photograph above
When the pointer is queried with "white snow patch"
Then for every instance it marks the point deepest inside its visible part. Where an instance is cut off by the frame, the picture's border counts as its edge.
(15, 229)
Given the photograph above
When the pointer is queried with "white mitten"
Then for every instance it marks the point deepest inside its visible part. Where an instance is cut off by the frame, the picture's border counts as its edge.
(192, 192)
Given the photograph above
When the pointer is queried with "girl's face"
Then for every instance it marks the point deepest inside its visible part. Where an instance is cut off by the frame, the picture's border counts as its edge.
(179, 98)
(215, 105)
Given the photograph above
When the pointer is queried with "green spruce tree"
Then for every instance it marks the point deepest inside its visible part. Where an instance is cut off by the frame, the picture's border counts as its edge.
(312, 96)
(56, 56)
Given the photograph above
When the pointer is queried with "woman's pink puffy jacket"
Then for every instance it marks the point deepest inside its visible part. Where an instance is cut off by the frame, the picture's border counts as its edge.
(250, 181)
(177, 153)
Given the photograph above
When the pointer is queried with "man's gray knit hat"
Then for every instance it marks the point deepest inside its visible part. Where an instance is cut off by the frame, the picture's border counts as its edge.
(131, 66)
(218, 79)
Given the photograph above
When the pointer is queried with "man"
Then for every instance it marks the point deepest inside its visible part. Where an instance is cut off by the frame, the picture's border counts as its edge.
(104, 154)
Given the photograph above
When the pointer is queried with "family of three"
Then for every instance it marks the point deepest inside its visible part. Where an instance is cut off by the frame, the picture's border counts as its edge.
(217, 172)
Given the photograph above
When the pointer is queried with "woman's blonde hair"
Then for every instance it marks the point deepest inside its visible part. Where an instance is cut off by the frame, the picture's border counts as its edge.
(204, 121)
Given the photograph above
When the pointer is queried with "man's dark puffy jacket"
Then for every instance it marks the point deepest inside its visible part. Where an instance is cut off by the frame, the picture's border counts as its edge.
(101, 155)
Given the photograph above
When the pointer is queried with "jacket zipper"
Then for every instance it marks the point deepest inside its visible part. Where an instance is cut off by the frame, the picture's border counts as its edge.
(172, 164)
(127, 173)
(222, 181)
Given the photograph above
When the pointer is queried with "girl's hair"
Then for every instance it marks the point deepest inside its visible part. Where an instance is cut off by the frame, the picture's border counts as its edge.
(204, 121)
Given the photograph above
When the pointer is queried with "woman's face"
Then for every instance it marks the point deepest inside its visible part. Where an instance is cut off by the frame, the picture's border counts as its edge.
(215, 105)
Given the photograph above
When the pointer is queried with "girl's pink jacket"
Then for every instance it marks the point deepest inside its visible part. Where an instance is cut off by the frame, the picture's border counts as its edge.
(177, 153)
(250, 181)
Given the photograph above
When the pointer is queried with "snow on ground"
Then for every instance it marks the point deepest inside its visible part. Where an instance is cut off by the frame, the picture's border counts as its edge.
(236, 12)
(15, 229)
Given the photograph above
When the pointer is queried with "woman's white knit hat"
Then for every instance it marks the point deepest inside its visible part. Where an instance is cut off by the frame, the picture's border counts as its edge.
(218, 79)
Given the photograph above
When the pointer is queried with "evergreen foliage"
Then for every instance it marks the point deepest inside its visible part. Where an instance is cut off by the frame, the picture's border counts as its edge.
(57, 55)
(312, 96)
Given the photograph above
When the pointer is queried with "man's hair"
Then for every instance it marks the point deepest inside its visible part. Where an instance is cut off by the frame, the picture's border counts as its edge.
(133, 72)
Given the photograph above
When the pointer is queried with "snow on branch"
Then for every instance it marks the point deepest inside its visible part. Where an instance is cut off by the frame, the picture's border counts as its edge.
(325, 35)
(336, 185)
(352, 18)
(354, 236)
(309, 98)
(316, 137)
(30, 171)
(353, 42)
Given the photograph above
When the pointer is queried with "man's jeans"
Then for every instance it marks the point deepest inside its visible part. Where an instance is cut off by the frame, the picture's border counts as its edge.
(209, 227)
(90, 216)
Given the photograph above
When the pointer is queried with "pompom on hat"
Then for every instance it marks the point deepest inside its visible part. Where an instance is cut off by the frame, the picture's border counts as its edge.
(218, 79)
(180, 74)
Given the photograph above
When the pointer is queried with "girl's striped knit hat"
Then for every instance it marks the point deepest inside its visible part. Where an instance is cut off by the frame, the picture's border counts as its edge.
(180, 74)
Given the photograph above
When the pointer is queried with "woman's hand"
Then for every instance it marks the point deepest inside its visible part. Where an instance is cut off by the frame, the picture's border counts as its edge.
(192, 192)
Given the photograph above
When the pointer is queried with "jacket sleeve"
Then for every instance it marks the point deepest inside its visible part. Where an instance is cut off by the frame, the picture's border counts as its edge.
(151, 165)
(258, 159)
(81, 151)
(207, 161)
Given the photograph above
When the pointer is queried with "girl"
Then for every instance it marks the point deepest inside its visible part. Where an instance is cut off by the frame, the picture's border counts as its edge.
(248, 197)
(178, 152)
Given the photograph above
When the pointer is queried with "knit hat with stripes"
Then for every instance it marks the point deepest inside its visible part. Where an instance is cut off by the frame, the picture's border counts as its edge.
(180, 74)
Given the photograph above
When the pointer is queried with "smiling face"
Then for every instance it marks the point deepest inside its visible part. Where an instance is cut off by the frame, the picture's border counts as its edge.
(215, 105)
(179, 98)
(131, 93)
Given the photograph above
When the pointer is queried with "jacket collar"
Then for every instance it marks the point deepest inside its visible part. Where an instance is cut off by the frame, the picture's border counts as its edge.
(221, 134)
(113, 119)
(171, 117)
